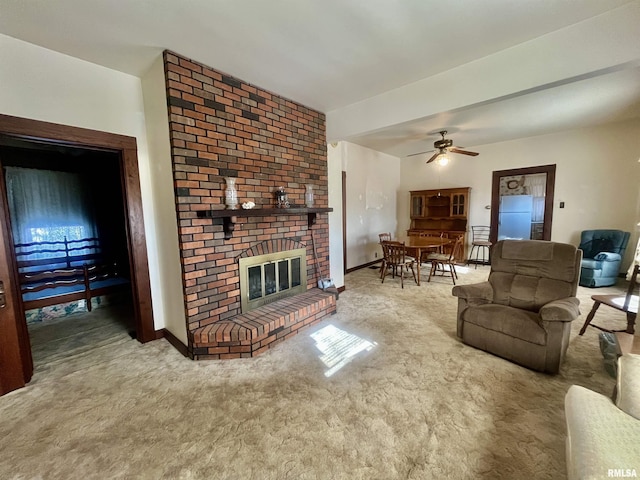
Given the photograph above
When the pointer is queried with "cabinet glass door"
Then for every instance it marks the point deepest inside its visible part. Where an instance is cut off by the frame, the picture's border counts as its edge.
(417, 205)
(458, 205)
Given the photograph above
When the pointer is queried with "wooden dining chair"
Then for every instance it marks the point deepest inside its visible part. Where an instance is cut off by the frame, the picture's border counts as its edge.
(397, 262)
(625, 303)
(426, 252)
(445, 263)
(384, 237)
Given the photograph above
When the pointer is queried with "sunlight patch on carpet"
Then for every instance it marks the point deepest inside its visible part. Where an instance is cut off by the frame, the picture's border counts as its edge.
(338, 347)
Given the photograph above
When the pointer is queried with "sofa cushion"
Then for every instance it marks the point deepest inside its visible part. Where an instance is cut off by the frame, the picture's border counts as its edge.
(510, 321)
(527, 292)
(561, 266)
(597, 245)
(528, 251)
(600, 436)
(628, 386)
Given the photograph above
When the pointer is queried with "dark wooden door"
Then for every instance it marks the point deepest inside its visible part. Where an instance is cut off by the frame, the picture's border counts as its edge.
(16, 365)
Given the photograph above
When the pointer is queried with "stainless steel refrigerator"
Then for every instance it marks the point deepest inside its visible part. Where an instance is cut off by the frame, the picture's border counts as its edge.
(515, 217)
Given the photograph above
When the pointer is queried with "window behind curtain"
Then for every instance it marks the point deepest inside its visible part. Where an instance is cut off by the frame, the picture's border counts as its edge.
(47, 206)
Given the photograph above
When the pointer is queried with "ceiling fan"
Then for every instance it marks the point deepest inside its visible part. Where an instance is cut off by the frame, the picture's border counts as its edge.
(443, 146)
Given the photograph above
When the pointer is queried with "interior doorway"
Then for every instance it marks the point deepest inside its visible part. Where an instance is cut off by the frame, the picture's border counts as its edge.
(16, 365)
(522, 203)
(57, 207)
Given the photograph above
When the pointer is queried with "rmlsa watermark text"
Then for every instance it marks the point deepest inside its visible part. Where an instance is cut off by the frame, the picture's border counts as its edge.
(622, 473)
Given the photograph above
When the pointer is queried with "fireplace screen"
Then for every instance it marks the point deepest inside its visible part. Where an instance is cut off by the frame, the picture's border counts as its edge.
(266, 278)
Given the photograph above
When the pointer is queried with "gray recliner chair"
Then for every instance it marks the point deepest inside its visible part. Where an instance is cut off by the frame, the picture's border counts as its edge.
(524, 311)
(602, 256)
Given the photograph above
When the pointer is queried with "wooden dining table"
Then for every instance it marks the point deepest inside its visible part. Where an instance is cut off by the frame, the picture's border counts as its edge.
(414, 246)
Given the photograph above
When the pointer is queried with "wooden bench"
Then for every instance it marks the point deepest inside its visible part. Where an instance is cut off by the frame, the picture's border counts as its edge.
(73, 270)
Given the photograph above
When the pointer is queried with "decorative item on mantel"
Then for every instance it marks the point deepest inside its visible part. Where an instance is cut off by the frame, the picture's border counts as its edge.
(231, 194)
(308, 196)
(248, 205)
(281, 198)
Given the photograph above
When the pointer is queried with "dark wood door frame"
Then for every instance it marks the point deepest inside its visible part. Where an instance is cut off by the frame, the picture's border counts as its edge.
(344, 222)
(550, 170)
(126, 147)
(16, 363)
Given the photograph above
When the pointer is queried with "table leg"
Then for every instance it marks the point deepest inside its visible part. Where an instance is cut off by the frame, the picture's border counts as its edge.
(592, 313)
(631, 322)
(419, 258)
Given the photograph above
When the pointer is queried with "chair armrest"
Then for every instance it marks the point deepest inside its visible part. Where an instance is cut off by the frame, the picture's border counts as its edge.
(482, 291)
(608, 257)
(597, 433)
(628, 384)
(564, 310)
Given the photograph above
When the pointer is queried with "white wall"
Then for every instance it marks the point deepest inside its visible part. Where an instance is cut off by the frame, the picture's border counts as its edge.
(44, 85)
(373, 182)
(166, 256)
(597, 176)
(334, 167)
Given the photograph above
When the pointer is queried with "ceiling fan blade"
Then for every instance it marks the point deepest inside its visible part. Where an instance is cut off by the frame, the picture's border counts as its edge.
(463, 152)
(419, 153)
(435, 155)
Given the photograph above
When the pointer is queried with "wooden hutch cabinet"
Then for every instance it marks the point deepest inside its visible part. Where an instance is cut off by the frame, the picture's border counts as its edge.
(443, 211)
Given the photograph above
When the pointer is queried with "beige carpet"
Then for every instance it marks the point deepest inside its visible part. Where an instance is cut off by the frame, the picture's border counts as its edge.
(410, 402)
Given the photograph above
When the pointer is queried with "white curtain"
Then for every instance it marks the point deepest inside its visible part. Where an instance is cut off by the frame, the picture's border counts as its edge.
(48, 205)
(536, 186)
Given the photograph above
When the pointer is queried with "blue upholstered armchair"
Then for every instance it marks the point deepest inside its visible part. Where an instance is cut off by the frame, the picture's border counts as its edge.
(602, 252)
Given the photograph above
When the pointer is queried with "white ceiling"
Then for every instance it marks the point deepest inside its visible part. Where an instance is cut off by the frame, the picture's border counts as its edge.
(329, 54)
(607, 98)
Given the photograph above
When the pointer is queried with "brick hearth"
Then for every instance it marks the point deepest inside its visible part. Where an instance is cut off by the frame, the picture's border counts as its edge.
(220, 127)
(250, 334)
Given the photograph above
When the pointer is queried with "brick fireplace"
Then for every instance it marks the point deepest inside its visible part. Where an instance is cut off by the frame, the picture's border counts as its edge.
(221, 127)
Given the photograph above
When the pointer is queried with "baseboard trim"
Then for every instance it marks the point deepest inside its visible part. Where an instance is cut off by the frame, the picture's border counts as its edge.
(173, 340)
(364, 265)
(341, 289)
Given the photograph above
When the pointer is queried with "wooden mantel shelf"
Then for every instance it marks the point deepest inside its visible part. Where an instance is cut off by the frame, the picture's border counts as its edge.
(229, 217)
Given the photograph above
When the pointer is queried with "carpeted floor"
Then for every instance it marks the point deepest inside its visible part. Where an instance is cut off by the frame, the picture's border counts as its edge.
(381, 390)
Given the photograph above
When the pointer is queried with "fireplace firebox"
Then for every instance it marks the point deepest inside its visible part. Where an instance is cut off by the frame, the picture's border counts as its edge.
(267, 278)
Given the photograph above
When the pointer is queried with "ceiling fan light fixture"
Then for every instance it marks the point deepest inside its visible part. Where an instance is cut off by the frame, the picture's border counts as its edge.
(443, 148)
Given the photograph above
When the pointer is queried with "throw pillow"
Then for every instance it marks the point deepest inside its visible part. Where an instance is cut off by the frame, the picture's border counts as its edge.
(607, 257)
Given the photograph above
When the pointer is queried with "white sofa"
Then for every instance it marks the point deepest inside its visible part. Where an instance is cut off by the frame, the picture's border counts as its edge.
(603, 436)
